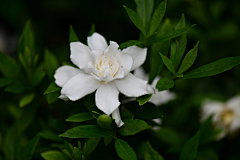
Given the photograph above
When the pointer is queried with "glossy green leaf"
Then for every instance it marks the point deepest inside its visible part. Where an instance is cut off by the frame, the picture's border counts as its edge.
(168, 135)
(189, 59)
(25, 100)
(30, 148)
(124, 151)
(144, 10)
(157, 16)
(52, 88)
(156, 63)
(164, 83)
(133, 127)
(213, 68)
(80, 117)
(38, 75)
(151, 153)
(5, 81)
(72, 35)
(86, 131)
(8, 66)
(172, 34)
(129, 43)
(54, 155)
(143, 99)
(77, 153)
(190, 148)
(168, 63)
(146, 111)
(50, 63)
(92, 143)
(136, 19)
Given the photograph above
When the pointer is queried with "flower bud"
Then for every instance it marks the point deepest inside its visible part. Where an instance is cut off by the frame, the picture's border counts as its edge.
(104, 121)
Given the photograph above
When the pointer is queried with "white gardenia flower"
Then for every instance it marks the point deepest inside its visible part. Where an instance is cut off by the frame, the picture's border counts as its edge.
(226, 116)
(105, 69)
(158, 98)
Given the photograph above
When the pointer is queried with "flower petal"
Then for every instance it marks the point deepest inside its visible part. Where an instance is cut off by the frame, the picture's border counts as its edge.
(97, 42)
(79, 86)
(210, 107)
(132, 86)
(162, 97)
(235, 125)
(80, 54)
(107, 98)
(138, 54)
(140, 73)
(63, 97)
(234, 104)
(117, 117)
(64, 73)
(124, 60)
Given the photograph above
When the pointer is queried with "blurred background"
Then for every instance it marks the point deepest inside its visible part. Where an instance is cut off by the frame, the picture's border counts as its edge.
(217, 28)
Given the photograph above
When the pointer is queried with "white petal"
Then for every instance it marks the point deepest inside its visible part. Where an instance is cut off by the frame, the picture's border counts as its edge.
(234, 104)
(124, 59)
(132, 86)
(138, 54)
(64, 73)
(210, 107)
(119, 75)
(235, 125)
(107, 98)
(80, 54)
(63, 97)
(162, 97)
(117, 117)
(140, 73)
(97, 42)
(79, 86)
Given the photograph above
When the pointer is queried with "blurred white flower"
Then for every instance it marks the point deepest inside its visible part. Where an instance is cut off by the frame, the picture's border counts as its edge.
(105, 69)
(226, 116)
(159, 97)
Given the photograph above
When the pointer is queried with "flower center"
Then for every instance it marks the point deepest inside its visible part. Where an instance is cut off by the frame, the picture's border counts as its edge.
(227, 116)
(104, 67)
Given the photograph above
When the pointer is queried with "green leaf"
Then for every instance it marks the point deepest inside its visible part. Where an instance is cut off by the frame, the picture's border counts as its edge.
(52, 97)
(80, 117)
(28, 98)
(92, 30)
(168, 63)
(30, 148)
(213, 68)
(157, 16)
(137, 21)
(143, 99)
(172, 34)
(144, 10)
(16, 86)
(8, 66)
(156, 63)
(129, 43)
(54, 155)
(124, 151)
(146, 111)
(27, 38)
(86, 131)
(151, 154)
(72, 35)
(38, 75)
(190, 148)
(92, 143)
(164, 83)
(168, 135)
(50, 63)
(77, 153)
(189, 59)
(133, 127)
(107, 140)
(52, 88)
(51, 136)
(5, 81)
